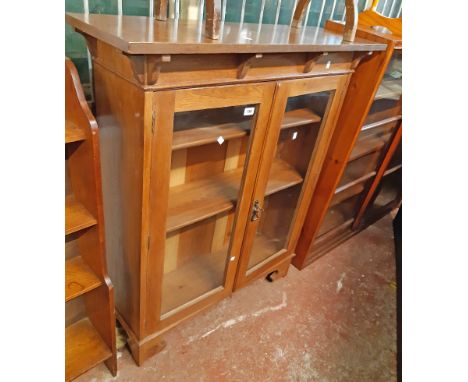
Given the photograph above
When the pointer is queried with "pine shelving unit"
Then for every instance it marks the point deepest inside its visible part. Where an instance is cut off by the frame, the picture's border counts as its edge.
(89, 298)
(361, 179)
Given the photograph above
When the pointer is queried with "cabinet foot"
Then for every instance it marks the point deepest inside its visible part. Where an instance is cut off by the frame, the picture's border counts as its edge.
(143, 349)
(279, 272)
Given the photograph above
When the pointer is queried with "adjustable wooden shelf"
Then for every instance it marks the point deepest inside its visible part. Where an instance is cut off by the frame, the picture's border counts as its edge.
(360, 182)
(89, 298)
(210, 152)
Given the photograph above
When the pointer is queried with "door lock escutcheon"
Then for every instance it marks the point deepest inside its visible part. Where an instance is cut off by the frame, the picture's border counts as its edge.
(256, 211)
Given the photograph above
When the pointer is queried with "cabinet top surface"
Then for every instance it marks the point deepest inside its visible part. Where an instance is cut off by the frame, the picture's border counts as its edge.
(145, 35)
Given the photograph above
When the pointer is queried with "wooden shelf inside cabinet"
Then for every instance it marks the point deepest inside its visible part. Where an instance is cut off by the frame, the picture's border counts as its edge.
(339, 215)
(73, 133)
(299, 117)
(84, 348)
(79, 278)
(195, 201)
(368, 145)
(392, 170)
(195, 278)
(389, 88)
(381, 122)
(203, 135)
(348, 192)
(77, 217)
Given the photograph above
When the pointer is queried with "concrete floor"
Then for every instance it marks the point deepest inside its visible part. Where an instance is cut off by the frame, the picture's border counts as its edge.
(333, 321)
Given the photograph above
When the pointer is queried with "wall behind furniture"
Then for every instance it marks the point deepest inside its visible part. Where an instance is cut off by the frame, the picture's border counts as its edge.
(247, 11)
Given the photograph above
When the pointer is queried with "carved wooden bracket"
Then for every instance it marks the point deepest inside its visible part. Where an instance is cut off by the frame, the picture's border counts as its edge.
(351, 20)
(246, 63)
(160, 9)
(91, 42)
(358, 56)
(312, 59)
(146, 68)
(213, 18)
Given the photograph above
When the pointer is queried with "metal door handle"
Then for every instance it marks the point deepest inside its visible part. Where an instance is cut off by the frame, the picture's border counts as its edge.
(256, 211)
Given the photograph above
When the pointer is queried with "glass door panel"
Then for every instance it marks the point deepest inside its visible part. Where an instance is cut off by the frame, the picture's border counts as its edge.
(388, 192)
(209, 149)
(297, 139)
(387, 101)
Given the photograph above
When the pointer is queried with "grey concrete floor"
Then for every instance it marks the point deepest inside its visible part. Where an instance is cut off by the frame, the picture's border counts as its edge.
(333, 321)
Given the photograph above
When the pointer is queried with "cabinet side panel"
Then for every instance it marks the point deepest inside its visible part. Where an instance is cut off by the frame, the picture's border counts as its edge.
(120, 110)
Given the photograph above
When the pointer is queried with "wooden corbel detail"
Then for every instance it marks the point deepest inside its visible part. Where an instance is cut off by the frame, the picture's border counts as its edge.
(146, 68)
(358, 56)
(351, 21)
(246, 63)
(299, 13)
(312, 59)
(91, 42)
(212, 19)
(160, 10)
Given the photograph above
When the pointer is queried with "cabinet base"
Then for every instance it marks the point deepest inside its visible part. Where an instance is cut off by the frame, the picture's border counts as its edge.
(141, 350)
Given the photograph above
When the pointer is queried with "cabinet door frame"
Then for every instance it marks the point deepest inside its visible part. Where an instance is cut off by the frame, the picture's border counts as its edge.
(285, 89)
(164, 106)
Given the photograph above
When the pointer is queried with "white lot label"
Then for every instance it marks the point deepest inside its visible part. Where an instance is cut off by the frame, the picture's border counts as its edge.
(327, 66)
(249, 111)
(220, 140)
(294, 135)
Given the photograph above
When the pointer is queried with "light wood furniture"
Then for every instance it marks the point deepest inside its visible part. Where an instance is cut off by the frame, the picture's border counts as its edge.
(89, 296)
(361, 177)
(211, 150)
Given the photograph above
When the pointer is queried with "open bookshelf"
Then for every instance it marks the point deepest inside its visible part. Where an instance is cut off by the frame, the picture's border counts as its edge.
(78, 217)
(79, 278)
(89, 300)
(85, 348)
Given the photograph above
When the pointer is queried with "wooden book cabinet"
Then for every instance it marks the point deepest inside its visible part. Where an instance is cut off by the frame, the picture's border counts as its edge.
(89, 296)
(361, 178)
(211, 150)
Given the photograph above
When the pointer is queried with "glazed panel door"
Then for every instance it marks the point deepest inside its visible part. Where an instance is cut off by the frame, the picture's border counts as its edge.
(206, 147)
(303, 119)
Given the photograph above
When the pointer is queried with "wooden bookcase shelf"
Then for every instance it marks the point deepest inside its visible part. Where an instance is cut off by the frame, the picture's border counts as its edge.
(196, 277)
(368, 145)
(73, 133)
(89, 298)
(194, 201)
(201, 135)
(183, 139)
(381, 122)
(390, 89)
(84, 348)
(392, 170)
(351, 182)
(299, 117)
(338, 215)
(79, 278)
(78, 217)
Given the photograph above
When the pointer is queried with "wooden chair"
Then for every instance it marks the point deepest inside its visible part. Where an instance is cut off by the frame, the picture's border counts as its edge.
(372, 19)
(213, 17)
